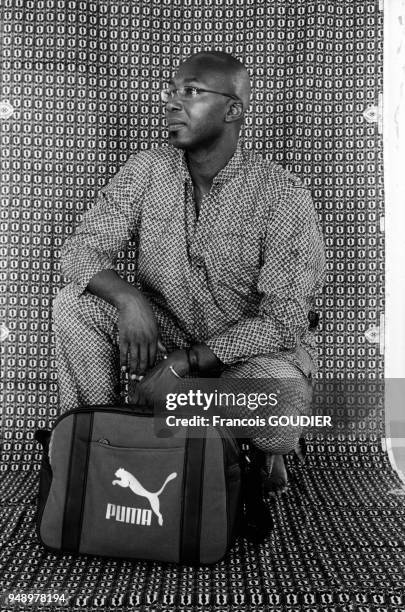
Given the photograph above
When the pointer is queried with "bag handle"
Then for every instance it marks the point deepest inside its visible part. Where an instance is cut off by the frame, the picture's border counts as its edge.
(43, 436)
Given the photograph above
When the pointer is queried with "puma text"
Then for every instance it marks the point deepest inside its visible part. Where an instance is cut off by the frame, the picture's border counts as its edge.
(136, 516)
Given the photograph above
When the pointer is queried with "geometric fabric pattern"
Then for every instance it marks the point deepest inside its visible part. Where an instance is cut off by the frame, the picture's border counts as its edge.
(338, 543)
(82, 82)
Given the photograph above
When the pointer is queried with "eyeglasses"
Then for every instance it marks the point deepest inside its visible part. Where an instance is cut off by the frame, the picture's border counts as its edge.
(187, 93)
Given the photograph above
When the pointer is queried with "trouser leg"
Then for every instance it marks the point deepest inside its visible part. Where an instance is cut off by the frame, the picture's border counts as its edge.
(292, 383)
(267, 374)
(87, 351)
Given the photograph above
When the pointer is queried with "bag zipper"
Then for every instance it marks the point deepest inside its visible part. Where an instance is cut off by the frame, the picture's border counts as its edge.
(223, 431)
(104, 442)
(101, 408)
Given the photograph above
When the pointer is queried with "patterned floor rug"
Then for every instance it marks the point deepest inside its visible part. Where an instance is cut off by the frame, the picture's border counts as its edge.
(338, 544)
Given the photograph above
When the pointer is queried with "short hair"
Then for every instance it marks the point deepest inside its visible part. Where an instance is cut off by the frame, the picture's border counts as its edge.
(228, 64)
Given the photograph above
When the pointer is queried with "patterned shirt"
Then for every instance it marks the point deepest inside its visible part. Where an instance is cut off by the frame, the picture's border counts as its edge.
(240, 276)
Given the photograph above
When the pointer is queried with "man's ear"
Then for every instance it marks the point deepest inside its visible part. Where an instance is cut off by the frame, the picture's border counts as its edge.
(234, 112)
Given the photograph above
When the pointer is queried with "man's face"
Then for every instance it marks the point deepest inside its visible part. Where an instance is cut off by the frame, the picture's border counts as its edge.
(197, 122)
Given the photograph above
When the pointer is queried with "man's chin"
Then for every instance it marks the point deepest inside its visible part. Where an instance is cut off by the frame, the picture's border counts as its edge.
(175, 140)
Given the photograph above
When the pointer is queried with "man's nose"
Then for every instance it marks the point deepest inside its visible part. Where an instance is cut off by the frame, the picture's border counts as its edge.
(173, 104)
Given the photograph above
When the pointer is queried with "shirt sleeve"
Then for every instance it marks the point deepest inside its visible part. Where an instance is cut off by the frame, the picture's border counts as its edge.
(291, 274)
(107, 227)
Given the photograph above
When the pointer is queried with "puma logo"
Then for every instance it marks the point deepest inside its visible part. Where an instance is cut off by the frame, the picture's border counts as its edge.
(128, 480)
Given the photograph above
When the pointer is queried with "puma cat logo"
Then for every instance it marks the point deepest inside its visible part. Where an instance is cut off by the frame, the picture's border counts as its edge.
(128, 480)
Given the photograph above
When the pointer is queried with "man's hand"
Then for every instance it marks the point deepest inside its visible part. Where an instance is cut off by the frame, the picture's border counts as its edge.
(138, 330)
(138, 335)
(161, 380)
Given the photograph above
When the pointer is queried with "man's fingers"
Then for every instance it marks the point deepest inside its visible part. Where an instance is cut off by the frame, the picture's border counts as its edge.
(143, 358)
(152, 354)
(133, 360)
(124, 355)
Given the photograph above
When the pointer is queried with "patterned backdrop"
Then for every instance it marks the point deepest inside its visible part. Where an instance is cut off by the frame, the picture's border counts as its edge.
(80, 93)
(80, 84)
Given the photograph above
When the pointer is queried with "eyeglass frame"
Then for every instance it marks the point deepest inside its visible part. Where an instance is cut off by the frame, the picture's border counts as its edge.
(198, 90)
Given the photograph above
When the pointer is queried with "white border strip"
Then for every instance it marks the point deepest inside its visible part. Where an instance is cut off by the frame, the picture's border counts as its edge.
(394, 186)
(387, 445)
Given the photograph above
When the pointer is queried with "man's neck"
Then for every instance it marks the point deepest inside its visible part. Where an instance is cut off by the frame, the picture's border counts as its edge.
(206, 163)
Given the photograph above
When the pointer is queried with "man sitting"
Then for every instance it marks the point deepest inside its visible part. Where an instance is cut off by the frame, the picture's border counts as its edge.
(229, 258)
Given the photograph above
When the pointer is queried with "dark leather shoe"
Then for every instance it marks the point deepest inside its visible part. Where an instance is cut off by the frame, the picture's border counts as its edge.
(258, 521)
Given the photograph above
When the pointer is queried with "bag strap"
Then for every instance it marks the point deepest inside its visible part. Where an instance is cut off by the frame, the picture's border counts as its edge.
(76, 482)
(194, 460)
(43, 436)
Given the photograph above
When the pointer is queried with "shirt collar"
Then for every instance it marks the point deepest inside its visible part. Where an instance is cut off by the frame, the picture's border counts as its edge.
(232, 169)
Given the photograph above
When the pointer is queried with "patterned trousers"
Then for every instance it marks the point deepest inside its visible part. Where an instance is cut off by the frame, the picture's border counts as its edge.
(87, 354)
